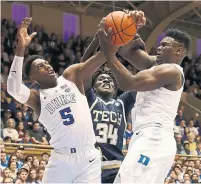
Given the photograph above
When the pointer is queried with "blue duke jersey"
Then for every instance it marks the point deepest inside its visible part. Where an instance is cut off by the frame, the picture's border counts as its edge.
(65, 114)
(109, 121)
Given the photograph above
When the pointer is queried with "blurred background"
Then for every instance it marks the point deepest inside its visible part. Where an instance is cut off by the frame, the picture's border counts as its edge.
(65, 29)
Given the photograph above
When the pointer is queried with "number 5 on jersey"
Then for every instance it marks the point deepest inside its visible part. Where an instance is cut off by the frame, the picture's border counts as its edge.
(67, 116)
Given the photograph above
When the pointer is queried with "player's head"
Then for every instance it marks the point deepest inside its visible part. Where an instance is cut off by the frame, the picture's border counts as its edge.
(38, 70)
(104, 83)
(174, 47)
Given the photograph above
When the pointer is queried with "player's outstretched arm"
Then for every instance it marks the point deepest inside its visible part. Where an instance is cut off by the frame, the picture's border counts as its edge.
(95, 60)
(14, 83)
(91, 49)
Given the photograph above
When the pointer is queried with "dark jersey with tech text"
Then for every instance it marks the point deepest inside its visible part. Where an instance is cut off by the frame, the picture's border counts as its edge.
(109, 122)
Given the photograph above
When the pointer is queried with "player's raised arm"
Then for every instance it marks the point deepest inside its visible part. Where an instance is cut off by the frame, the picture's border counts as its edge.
(91, 49)
(143, 81)
(135, 52)
(14, 84)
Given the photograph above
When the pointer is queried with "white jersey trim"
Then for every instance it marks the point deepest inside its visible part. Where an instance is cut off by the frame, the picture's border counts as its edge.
(123, 113)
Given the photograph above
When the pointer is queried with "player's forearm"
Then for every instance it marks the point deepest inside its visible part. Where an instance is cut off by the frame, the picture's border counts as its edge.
(137, 57)
(20, 51)
(122, 75)
(92, 65)
(14, 83)
(91, 49)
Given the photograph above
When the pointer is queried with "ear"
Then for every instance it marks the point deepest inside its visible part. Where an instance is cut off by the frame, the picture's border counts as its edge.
(179, 51)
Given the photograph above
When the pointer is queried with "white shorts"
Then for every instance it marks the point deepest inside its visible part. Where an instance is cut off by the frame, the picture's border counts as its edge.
(150, 156)
(81, 167)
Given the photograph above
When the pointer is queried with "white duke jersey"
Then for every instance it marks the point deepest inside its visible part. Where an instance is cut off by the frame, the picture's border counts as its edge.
(66, 116)
(157, 106)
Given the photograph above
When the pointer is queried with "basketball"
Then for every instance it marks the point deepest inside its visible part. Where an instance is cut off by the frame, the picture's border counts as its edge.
(123, 27)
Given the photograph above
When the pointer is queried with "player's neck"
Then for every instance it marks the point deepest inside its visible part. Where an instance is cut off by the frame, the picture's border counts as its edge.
(52, 84)
(105, 97)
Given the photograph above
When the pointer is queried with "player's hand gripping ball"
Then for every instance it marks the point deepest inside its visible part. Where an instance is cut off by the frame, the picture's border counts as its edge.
(124, 25)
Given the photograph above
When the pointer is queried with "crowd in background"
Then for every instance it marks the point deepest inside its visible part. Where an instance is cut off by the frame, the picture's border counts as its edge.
(19, 123)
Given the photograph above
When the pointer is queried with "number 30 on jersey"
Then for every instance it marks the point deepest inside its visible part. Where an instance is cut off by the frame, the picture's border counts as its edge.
(106, 132)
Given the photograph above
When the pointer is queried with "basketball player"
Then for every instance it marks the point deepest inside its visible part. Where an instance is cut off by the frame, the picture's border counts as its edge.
(63, 109)
(108, 115)
(152, 147)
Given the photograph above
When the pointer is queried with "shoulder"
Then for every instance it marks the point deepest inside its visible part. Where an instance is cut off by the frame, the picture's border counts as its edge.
(166, 69)
(72, 72)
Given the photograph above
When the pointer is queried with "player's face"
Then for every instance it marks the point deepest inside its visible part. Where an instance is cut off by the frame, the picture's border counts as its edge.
(168, 50)
(104, 84)
(41, 71)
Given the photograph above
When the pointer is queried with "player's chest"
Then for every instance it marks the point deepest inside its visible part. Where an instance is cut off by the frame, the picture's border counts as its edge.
(107, 114)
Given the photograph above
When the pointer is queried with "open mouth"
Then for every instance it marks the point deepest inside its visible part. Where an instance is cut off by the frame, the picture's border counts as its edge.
(51, 72)
(106, 86)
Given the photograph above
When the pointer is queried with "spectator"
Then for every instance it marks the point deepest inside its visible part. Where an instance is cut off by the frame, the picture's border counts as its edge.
(20, 130)
(23, 175)
(36, 163)
(10, 131)
(181, 127)
(178, 171)
(26, 139)
(179, 117)
(4, 101)
(186, 133)
(199, 148)
(192, 144)
(40, 175)
(37, 136)
(187, 177)
(8, 180)
(26, 166)
(13, 169)
(42, 164)
(19, 117)
(4, 161)
(180, 148)
(19, 155)
(173, 176)
(192, 128)
(26, 114)
(45, 156)
(32, 176)
(186, 147)
(7, 139)
(197, 171)
(4, 74)
(7, 115)
(194, 178)
(29, 159)
(191, 163)
(195, 118)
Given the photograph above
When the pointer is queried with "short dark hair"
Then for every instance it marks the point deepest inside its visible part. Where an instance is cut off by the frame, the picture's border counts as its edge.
(22, 170)
(180, 36)
(45, 153)
(101, 71)
(28, 63)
